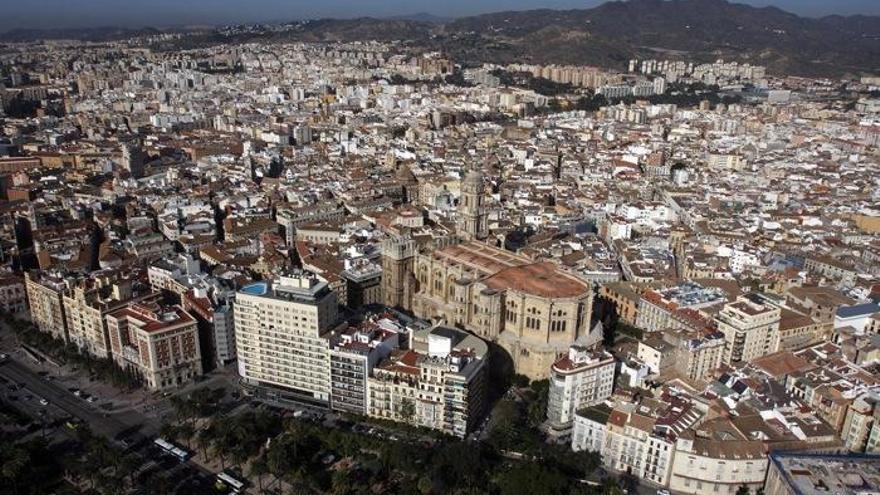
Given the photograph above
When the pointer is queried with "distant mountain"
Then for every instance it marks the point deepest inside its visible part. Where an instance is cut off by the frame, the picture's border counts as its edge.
(364, 28)
(421, 17)
(703, 29)
(607, 35)
(104, 33)
(614, 32)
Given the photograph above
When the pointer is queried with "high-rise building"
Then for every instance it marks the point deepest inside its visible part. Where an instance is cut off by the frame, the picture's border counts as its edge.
(582, 378)
(159, 344)
(749, 327)
(353, 355)
(281, 335)
(215, 313)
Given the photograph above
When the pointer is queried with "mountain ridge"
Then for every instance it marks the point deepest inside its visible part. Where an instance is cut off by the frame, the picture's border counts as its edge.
(610, 34)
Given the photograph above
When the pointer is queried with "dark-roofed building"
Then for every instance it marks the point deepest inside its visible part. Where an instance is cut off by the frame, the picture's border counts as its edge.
(820, 474)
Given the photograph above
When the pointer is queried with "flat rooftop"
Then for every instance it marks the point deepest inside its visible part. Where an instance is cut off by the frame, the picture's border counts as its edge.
(823, 474)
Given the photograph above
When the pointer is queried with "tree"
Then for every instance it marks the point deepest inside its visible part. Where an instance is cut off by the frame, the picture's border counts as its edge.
(538, 406)
(407, 410)
(169, 431)
(15, 459)
(743, 490)
(259, 468)
(204, 440)
(426, 486)
(340, 483)
(520, 381)
(532, 478)
(186, 432)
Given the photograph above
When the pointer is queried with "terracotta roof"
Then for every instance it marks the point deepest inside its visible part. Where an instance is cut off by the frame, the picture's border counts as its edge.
(538, 279)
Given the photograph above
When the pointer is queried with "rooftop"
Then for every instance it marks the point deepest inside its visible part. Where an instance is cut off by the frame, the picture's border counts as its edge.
(806, 474)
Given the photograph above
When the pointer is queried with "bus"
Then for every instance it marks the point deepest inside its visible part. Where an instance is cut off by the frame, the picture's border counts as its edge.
(172, 449)
(224, 479)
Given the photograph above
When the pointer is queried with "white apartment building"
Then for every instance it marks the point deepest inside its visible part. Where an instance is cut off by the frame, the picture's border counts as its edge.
(440, 383)
(749, 327)
(281, 336)
(706, 465)
(582, 378)
(640, 438)
(588, 432)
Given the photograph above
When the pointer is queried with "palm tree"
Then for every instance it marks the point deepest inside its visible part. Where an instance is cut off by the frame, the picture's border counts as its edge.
(407, 410)
(258, 469)
(186, 432)
(204, 439)
(169, 431)
(15, 460)
(128, 465)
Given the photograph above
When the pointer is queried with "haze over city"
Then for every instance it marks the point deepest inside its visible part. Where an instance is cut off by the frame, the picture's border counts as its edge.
(452, 248)
(162, 13)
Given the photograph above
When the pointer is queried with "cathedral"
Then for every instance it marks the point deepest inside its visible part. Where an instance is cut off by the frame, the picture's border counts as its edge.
(534, 310)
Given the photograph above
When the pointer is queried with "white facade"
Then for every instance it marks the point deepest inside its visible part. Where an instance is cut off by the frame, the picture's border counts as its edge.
(749, 329)
(588, 433)
(582, 378)
(279, 334)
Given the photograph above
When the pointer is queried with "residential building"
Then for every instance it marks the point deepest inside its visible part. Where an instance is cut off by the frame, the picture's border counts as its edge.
(640, 438)
(45, 294)
(281, 335)
(13, 295)
(862, 418)
(91, 299)
(719, 460)
(363, 283)
(794, 473)
(750, 328)
(589, 427)
(583, 378)
(215, 311)
(440, 383)
(354, 353)
(159, 344)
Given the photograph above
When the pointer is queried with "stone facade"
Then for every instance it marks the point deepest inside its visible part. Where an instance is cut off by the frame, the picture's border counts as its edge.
(534, 310)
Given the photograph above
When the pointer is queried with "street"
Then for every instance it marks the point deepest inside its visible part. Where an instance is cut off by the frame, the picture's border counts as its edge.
(102, 423)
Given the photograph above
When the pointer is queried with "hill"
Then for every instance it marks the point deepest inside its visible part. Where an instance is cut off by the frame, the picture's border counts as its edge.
(607, 35)
(702, 29)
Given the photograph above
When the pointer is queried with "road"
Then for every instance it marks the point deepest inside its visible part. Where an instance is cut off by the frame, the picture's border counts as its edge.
(101, 422)
(189, 477)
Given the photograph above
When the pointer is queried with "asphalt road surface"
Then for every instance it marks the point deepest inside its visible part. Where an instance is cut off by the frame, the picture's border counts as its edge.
(101, 422)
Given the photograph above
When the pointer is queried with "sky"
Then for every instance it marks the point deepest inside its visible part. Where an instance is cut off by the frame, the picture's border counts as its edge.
(161, 13)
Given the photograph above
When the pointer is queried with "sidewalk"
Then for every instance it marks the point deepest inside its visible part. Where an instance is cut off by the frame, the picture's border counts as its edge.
(65, 377)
